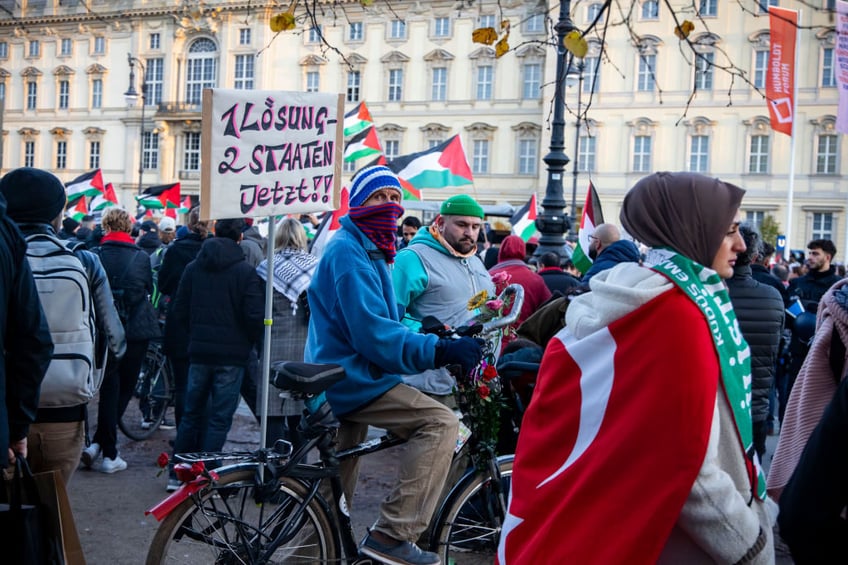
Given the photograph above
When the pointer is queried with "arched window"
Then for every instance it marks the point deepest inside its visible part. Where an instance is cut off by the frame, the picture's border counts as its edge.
(201, 69)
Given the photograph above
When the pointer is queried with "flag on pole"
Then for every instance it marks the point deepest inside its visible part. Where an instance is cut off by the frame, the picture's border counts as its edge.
(592, 216)
(329, 225)
(80, 210)
(363, 144)
(442, 166)
(524, 220)
(780, 74)
(104, 199)
(357, 120)
(88, 184)
(162, 196)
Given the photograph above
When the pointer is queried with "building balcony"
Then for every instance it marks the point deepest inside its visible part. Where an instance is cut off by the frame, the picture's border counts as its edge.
(178, 110)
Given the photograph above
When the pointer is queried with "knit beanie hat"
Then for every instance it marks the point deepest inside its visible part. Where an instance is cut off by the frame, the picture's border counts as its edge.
(369, 180)
(461, 205)
(33, 195)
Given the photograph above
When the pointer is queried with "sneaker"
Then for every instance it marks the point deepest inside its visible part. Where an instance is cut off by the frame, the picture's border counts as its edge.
(167, 425)
(145, 424)
(90, 455)
(173, 484)
(110, 466)
(404, 553)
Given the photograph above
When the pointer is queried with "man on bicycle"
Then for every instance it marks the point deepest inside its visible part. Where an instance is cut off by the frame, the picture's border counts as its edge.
(355, 322)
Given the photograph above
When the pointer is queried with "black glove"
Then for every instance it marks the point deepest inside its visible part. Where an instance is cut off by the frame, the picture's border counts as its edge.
(465, 351)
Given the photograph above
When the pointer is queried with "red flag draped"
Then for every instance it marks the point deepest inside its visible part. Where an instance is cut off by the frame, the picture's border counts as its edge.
(780, 76)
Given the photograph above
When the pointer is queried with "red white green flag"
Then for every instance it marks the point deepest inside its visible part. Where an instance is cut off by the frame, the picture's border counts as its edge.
(357, 120)
(592, 216)
(524, 220)
(162, 196)
(185, 207)
(88, 184)
(104, 199)
(442, 166)
(363, 144)
(329, 225)
(80, 210)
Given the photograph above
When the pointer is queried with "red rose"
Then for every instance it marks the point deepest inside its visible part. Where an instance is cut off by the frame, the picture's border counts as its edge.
(489, 373)
(163, 460)
(483, 391)
(198, 468)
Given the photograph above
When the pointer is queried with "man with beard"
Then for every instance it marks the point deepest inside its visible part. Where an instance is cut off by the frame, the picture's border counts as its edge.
(820, 274)
(607, 249)
(437, 273)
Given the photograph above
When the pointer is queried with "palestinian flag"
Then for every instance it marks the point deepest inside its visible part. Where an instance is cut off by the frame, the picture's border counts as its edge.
(162, 196)
(363, 144)
(524, 221)
(357, 120)
(104, 199)
(329, 226)
(442, 166)
(80, 210)
(185, 207)
(89, 184)
(592, 216)
(603, 449)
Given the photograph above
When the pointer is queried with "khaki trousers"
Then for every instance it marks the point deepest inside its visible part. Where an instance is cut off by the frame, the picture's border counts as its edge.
(55, 447)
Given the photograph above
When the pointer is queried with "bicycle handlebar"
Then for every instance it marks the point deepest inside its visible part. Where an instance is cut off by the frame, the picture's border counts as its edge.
(514, 311)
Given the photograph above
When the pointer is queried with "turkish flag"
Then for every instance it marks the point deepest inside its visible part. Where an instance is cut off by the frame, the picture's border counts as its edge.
(780, 75)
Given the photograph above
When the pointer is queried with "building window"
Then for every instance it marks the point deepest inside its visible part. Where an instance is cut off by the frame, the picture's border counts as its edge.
(67, 46)
(32, 95)
(153, 73)
(61, 154)
(755, 218)
(763, 5)
(154, 41)
(4, 50)
(354, 31)
(441, 27)
(64, 94)
(392, 149)
(34, 48)
(94, 155)
(397, 29)
(480, 157)
(97, 93)
(201, 69)
(315, 34)
(313, 81)
(349, 166)
(532, 81)
(528, 156)
(826, 155)
(244, 36)
(758, 158)
(586, 154)
(29, 154)
(486, 20)
(431, 143)
(761, 57)
(354, 82)
(828, 70)
(642, 154)
(243, 72)
(191, 155)
(591, 74)
(822, 226)
(647, 64)
(2, 92)
(650, 10)
(395, 85)
(708, 8)
(704, 71)
(440, 83)
(593, 12)
(534, 24)
(699, 153)
(99, 45)
(150, 150)
(485, 75)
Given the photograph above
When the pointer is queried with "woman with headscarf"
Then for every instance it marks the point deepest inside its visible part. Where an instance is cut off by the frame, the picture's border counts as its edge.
(293, 270)
(637, 446)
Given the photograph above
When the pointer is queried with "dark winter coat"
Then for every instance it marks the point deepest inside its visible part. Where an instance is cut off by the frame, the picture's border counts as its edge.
(149, 242)
(25, 338)
(558, 280)
(220, 305)
(621, 251)
(180, 253)
(762, 275)
(760, 311)
(129, 270)
(811, 287)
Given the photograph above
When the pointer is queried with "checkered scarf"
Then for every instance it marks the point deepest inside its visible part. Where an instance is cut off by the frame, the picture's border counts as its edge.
(293, 271)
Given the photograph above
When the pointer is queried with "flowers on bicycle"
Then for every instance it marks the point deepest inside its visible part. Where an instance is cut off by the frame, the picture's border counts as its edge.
(489, 373)
(162, 462)
(483, 392)
(187, 473)
(478, 395)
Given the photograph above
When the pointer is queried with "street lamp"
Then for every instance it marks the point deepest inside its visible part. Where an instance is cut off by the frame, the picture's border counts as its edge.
(131, 96)
(552, 222)
(575, 77)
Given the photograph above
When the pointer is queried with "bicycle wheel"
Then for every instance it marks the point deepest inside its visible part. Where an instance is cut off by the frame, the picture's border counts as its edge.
(224, 525)
(468, 526)
(150, 397)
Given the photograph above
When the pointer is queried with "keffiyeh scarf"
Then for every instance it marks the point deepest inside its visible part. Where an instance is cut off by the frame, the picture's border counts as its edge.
(293, 270)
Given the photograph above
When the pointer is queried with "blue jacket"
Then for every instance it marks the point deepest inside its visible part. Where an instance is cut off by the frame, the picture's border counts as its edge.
(354, 322)
(621, 251)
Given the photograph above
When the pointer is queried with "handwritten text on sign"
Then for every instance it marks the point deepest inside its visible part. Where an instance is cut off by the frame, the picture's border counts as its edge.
(271, 152)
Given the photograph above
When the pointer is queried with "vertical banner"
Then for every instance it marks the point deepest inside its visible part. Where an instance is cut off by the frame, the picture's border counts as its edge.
(841, 65)
(780, 76)
(269, 153)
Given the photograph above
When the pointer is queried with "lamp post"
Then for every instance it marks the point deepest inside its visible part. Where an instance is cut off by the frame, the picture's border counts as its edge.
(131, 96)
(552, 222)
(578, 80)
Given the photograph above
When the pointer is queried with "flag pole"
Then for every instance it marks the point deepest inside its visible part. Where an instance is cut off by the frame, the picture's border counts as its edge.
(787, 251)
(265, 373)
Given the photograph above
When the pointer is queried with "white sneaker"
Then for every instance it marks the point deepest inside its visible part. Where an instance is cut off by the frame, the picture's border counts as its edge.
(90, 454)
(112, 465)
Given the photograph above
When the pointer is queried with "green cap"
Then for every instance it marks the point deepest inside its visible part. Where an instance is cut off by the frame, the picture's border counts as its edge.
(461, 205)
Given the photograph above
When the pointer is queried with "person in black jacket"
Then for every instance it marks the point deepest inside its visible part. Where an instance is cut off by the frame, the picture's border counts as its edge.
(148, 237)
(219, 305)
(759, 309)
(761, 273)
(555, 278)
(607, 249)
(26, 343)
(821, 275)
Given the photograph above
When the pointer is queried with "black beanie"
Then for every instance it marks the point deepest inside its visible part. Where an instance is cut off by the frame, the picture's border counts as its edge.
(32, 195)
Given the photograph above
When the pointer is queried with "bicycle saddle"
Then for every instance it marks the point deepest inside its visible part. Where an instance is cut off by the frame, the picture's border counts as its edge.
(307, 378)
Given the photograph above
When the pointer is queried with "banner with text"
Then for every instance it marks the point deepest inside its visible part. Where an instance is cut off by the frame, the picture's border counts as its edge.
(780, 76)
(841, 65)
(270, 153)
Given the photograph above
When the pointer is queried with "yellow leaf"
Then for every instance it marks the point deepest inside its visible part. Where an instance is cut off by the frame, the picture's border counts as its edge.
(484, 35)
(576, 44)
(505, 25)
(502, 46)
(282, 22)
(683, 30)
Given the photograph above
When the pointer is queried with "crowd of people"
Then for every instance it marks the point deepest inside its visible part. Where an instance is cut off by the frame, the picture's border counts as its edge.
(666, 365)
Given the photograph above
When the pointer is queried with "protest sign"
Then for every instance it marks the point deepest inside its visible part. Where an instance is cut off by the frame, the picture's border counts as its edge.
(267, 153)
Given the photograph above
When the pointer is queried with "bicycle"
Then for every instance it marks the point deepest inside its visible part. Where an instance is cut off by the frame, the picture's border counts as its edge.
(152, 395)
(267, 506)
